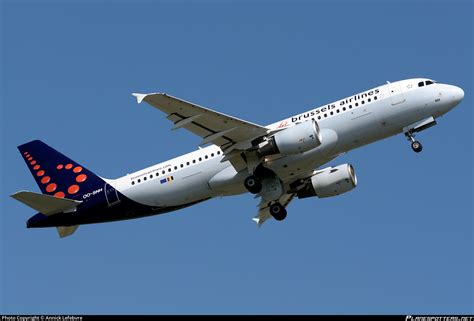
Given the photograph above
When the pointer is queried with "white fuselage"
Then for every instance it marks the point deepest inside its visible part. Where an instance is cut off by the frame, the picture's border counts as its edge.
(351, 122)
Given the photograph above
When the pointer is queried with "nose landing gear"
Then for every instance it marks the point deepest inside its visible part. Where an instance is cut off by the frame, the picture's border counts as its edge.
(415, 145)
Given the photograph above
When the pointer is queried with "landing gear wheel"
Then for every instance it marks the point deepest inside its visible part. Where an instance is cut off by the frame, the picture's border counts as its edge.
(416, 146)
(278, 211)
(253, 184)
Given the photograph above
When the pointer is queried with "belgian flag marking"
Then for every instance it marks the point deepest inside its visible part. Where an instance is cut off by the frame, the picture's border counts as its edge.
(166, 180)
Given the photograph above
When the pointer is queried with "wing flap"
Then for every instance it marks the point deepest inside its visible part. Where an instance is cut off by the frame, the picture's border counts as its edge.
(45, 204)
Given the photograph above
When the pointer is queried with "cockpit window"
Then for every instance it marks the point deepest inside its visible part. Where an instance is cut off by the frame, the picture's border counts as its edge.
(429, 82)
(421, 84)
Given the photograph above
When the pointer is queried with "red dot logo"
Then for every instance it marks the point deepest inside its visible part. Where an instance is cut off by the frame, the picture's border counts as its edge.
(36, 167)
(73, 189)
(51, 188)
(59, 194)
(32, 162)
(77, 169)
(60, 166)
(68, 166)
(81, 178)
(45, 180)
(40, 173)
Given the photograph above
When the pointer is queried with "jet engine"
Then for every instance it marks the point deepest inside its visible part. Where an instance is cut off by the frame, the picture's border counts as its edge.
(329, 182)
(297, 139)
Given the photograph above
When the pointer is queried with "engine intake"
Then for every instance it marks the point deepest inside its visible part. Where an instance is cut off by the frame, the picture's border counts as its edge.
(330, 182)
(297, 139)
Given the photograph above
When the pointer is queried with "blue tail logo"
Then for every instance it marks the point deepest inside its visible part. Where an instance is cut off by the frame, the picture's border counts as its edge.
(56, 174)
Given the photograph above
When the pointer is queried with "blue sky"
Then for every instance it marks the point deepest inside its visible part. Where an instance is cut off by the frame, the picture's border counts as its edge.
(402, 242)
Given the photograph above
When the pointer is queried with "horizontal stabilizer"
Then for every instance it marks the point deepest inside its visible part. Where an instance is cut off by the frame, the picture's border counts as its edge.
(46, 204)
(65, 231)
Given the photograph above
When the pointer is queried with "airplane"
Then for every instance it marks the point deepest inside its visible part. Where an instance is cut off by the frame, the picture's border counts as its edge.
(277, 162)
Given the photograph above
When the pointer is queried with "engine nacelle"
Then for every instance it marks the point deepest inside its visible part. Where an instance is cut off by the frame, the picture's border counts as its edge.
(330, 182)
(297, 139)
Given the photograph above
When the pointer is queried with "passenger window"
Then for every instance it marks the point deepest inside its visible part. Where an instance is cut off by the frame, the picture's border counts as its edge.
(194, 161)
(157, 174)
(343, 108)
(139, 181)
(187, 163)
(357, 104)
(151, 176)
(200, 158)
(319, 117)
(212, 154)
(181, 165)
(375, 97)
(176, 167)
(350, 106)
(206, 157)
(363, 102)
(144, 178)
(337, 111)
(133, 183)
(163, 172)
(325, 115)
(332, 113)
(169, 169)
(369, 100)
(421, 84)
(218, 152)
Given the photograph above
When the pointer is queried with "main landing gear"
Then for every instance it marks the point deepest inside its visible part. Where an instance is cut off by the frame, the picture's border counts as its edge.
(278, 211)
(415, 145)
(269, 187)
(253, 184)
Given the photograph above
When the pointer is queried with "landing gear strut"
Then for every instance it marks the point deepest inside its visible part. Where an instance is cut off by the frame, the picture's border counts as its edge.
(253, 184)
(278, 211)
(415, 145)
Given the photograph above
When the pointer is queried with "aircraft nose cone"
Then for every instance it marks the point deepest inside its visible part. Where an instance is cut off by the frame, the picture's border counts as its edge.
(458, 94)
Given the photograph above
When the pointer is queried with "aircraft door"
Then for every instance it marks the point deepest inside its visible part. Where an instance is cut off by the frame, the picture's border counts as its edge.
(394, 115)
(111, 195)
(396, 94)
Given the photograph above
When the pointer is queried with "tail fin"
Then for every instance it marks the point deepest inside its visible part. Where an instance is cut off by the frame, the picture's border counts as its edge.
(56, 174)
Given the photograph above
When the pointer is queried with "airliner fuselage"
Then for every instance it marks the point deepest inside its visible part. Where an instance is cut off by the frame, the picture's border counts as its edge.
(406, 106)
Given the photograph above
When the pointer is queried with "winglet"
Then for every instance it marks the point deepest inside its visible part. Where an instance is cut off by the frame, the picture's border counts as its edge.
(257, 220)
(260, 220)
(139, 97)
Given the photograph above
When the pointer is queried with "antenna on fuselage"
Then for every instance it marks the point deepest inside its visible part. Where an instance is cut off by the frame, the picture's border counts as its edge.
(388, 82)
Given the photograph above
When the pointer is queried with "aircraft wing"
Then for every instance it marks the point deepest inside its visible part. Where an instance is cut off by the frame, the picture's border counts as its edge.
(264, 211)
(212, 126)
